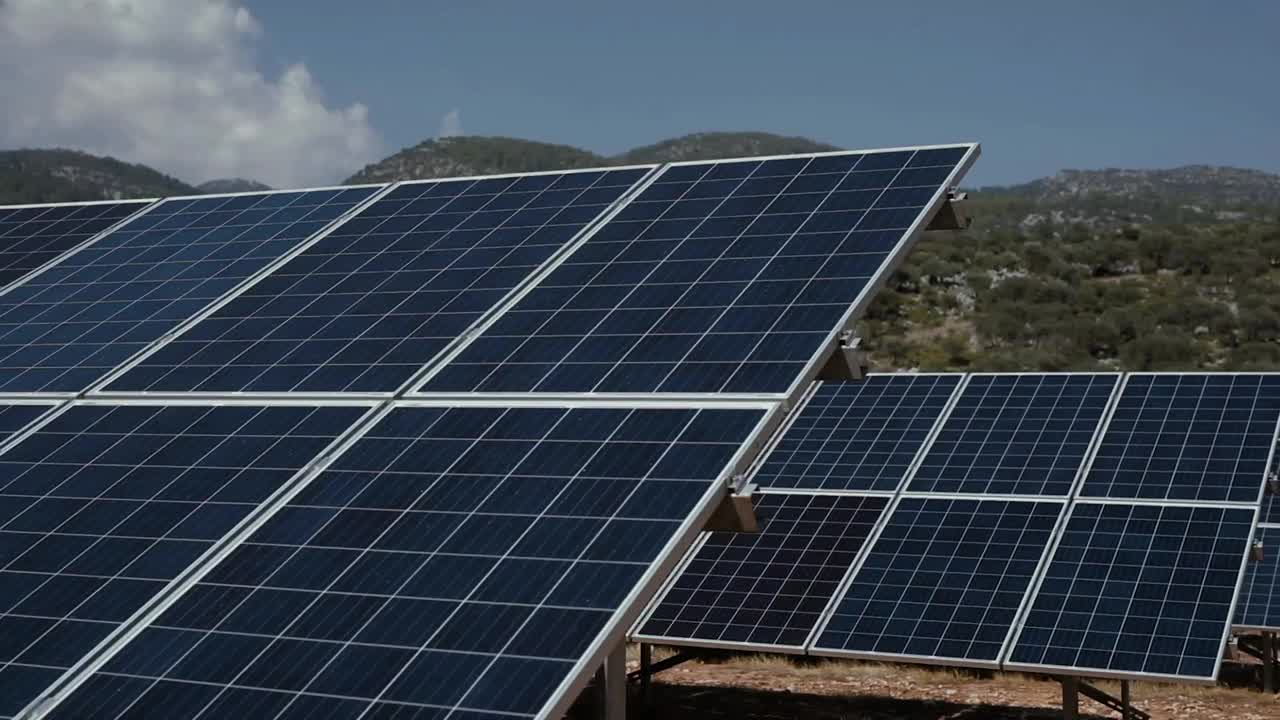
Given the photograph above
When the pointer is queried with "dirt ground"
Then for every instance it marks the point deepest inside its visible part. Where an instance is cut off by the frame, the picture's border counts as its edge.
(761, 688)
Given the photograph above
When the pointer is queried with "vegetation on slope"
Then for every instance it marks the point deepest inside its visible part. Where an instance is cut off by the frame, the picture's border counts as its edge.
(37, 176)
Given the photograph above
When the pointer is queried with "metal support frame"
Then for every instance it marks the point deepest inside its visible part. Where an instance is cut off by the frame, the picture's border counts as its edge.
(1265, 647)
(1073, 687)
(954, 213)
(848, 362)
(1070, 698)
(736, 513)
(611, 685)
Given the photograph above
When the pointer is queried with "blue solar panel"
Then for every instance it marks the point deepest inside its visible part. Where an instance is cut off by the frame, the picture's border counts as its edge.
(1270, 509)
(104, 505)
(368, 306)
(720, 277)
(858, 435)
(1203, 437)
(33, 235)
(17, 416)
(454, 561)
(767, 588)
(1259, 605)
(70, 325)
(1137, 590)
(943, 582)
(1022, 434)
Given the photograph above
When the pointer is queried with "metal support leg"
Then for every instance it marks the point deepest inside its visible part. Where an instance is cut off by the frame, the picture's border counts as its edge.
(615, 684)
(1269, 663)
(646, 662)
(1070, 698)
(1126, 708)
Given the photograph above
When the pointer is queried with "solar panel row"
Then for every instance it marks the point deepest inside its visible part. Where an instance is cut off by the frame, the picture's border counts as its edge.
(124, 526)
(104, 505)
(33, 235)
(370, 304)
(81, 318)
(1259, 606)
(948, 575)
(453, 559)
(719, 277)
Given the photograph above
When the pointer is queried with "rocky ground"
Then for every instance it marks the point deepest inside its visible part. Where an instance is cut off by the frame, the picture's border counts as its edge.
(754, 688)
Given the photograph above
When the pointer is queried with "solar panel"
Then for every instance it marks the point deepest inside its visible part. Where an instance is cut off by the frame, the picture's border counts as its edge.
(720, 277)
(67, 327)
(16, 416)
(942, 582)
(1270, 509)
(32, 235)
(766, 589)
(858, 435)
(104, 505)
(1019, 434)
(1137, 590)
(1259, 606)
(366, 307)
(462, 561)
(1199, 437)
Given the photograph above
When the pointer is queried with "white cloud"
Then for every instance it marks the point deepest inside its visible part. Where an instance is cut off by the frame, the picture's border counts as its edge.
(451, 124)
(172, 84)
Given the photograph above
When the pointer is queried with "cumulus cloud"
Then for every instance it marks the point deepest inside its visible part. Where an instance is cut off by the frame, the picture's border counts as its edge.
(172, 84)
(451, 124)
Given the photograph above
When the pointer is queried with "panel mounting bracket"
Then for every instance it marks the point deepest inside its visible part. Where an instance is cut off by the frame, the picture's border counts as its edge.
(848, 362)
(954, 214)
(736, 513)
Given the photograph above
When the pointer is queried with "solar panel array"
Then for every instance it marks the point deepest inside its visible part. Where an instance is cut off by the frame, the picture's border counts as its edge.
(104, 505)
(69, 326)
(725, 277)
(242, 512)
(1138, 589)
(858, 436)
(969, 568)
(370, 304)
(767, 589)
(33, 235)
(1259, 607)
(1194, 437)
(452, 560)
(1016, 434)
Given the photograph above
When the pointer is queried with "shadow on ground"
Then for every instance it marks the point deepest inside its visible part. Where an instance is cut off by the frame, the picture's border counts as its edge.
(689, 702)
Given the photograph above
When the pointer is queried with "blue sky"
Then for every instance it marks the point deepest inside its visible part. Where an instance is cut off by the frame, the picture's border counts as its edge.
(305, 92)
(1042, 85)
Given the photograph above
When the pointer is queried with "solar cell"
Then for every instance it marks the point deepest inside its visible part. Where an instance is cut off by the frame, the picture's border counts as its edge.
(1019, 434)
(1137, 590)
(768, 588)
(1199, 437)
(32, 235)
(858, 435)
(15, 416)
(942, 582)
(370, 304)
(105, 504)
(1259, 606)
(67, 327)
(728, 277)
(463, 561)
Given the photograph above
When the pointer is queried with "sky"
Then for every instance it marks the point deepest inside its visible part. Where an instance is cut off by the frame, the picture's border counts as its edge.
(304, 92)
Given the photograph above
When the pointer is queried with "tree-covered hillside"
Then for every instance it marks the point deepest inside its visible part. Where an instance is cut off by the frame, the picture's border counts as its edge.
(37, 176)
(1070, 285)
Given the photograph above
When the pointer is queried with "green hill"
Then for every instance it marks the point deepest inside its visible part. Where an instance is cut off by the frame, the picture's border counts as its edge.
(36, 176)
(464, 156)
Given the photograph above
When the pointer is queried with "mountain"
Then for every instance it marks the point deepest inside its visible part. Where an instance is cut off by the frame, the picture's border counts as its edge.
(713, 145)
(231, 185)
(466, 155)
(475, 155)
(1206, 184)
(36, 176)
